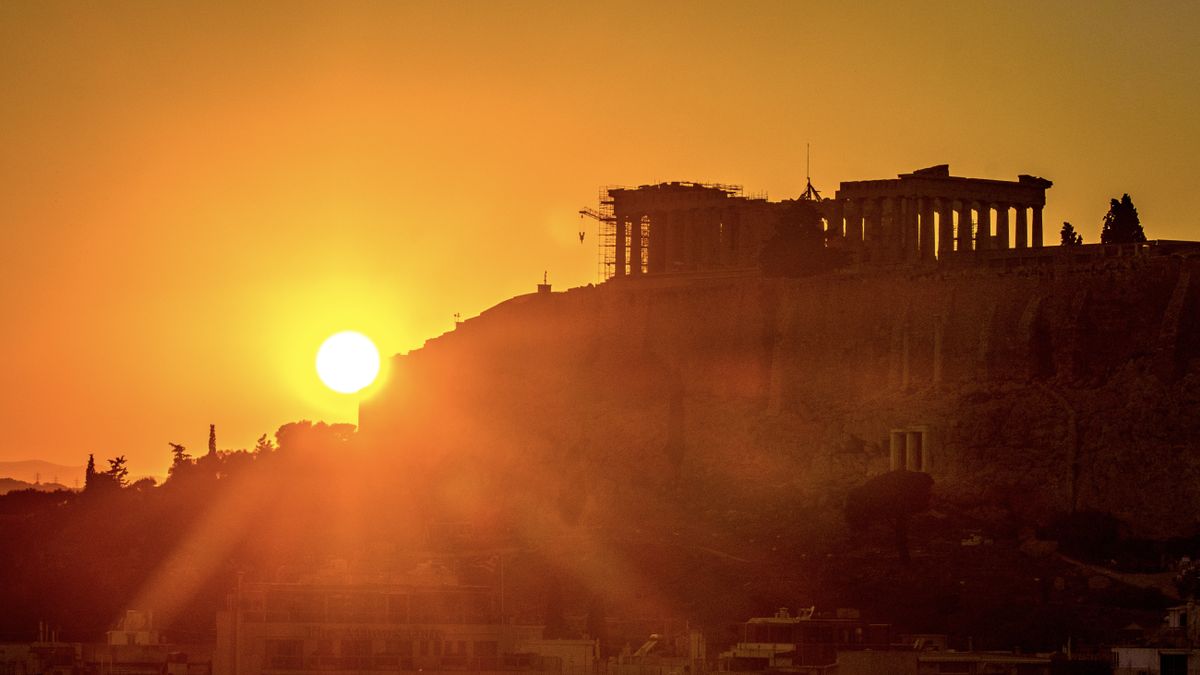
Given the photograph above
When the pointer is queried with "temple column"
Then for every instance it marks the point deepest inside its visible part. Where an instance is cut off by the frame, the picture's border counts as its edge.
(852, 211)
(964, 226)
(912, 228)
(681, 224)
(926, 251)
(1002, 226)
(915, 453)
(909, 227)
(635, 245)
(945, 228)
(1037, 227)
(1022, 227)
(619, 253)
(834, 221)
(910, 233)
(889, 230)
(652, 244)
(872, 226)
(985, 227)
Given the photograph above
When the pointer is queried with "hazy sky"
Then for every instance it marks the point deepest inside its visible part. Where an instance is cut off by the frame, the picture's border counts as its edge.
(193, 195)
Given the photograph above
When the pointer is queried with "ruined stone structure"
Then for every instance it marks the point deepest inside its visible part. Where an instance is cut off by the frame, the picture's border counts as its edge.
(929, 214)
(682, 227)
(918, 217)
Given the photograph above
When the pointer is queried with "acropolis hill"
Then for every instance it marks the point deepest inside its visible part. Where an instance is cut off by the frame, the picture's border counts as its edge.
(1028, 380)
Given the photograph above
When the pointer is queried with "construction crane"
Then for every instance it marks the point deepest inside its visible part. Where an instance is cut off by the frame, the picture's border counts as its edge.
(589, 212)
(605, 236)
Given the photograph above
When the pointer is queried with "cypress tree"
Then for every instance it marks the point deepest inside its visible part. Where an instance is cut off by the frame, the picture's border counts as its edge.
(1121, 223)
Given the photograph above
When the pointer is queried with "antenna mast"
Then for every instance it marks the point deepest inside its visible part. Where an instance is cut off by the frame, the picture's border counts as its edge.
(810, 193)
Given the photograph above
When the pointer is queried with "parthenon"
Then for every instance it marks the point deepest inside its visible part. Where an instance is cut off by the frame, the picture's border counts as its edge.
(920, 217)
(928, 214)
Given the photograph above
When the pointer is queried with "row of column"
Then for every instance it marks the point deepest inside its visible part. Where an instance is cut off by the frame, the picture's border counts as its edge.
(674, 240)
(909, 449)
(903, 227)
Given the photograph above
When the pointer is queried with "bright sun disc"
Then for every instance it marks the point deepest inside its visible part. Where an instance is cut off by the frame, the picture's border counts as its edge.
(347, 362)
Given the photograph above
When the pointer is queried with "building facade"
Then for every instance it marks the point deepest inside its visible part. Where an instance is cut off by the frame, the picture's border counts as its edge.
(309, 628)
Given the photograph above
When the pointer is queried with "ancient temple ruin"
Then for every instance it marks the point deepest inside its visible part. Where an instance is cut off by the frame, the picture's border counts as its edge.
(929, 214)
(921, 217)
(682, 227)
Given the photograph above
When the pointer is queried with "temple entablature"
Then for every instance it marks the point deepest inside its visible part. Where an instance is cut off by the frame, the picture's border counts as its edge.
(928, 214)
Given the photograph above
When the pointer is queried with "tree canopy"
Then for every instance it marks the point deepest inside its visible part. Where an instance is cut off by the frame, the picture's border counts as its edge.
(117, 471)
(1121, 223)
(890, 498)
(1069, 236)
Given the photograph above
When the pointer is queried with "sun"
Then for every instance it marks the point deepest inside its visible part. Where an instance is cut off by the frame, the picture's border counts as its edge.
(347, 362)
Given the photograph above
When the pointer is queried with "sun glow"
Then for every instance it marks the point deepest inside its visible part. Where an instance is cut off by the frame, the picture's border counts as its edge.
(347, 362)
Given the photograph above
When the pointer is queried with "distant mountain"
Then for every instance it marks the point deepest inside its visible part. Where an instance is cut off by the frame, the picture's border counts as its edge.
(36, 470)
(12, 485)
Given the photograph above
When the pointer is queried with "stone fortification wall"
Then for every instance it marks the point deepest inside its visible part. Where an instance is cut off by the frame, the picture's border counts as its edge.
(1037, 392)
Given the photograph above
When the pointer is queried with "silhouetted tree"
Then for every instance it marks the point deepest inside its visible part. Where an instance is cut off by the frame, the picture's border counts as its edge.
(1069, 236)
(89, 475)
(212, 440)
(264, 445)
(306, 436)
(1121, 223)
(117, 471)
(798, 248)
(1092, 535)
(179, 455)
(890, 498)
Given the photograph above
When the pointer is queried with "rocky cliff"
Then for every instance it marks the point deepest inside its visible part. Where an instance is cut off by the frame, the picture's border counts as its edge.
(1038, 390)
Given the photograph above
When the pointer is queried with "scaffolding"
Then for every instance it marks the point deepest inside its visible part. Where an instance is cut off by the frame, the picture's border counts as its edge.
(606, 224)
(606, 233)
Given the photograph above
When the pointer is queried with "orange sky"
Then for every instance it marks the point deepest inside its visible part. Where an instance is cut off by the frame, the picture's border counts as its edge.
(193, 195)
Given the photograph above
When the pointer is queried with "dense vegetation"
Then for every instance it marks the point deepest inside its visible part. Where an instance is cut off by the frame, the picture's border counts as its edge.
(316, 493)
